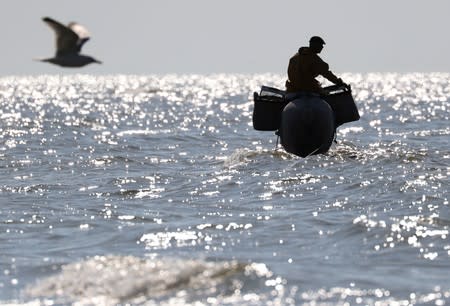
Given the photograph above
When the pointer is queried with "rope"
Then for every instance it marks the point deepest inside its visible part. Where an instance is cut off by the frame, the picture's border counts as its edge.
(278, 137)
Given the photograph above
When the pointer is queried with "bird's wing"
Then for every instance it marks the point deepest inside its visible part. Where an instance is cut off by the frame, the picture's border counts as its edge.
(82, 32)
(66, 38)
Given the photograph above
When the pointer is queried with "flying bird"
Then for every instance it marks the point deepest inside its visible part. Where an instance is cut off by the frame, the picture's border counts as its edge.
(69, 40)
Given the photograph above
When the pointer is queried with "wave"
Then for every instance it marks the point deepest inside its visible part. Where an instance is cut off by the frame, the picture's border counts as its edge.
(244, 156)
(109, 280)
(128, 279)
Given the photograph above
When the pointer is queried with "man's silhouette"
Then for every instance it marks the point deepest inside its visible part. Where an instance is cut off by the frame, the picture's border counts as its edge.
(305, 66)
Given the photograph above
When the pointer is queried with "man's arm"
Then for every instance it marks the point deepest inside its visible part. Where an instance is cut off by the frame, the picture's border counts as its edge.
(332, 78)
(324, 70)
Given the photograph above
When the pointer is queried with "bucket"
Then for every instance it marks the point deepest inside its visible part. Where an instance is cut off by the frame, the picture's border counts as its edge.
(342, 104)
(268, 106)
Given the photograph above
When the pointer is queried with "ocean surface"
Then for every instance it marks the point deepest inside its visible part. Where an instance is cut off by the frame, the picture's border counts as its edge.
(156, 190)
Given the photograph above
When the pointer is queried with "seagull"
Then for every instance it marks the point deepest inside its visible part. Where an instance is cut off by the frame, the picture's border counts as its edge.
(69, 40)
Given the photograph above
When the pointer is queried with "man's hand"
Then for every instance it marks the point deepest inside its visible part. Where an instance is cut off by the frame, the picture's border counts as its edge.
(342, 83)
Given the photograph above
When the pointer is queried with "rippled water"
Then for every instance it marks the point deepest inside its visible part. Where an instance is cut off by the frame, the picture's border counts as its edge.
(157, 190)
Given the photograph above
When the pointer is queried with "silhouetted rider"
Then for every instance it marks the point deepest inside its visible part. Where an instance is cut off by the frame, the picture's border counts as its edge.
(305, 66)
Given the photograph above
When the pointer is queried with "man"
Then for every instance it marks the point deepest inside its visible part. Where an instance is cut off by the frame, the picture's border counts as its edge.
(305, 66)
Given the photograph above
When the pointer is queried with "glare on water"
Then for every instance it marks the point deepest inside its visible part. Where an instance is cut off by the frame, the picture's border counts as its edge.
(157, 190)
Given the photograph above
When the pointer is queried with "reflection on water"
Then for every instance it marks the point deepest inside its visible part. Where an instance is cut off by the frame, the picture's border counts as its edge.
(157, 190)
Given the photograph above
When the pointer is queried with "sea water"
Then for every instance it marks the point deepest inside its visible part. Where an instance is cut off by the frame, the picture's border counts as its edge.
(156, 190)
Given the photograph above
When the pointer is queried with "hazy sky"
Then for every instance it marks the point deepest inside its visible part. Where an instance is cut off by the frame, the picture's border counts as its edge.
(247, 36)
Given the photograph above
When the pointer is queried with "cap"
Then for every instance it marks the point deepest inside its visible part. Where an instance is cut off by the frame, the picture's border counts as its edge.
(317, 39)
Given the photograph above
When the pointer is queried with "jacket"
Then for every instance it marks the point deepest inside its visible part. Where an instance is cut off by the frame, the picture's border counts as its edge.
(303, 69)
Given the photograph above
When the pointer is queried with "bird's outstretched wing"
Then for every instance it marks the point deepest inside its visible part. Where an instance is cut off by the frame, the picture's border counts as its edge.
(82, 32)
(67, 41)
